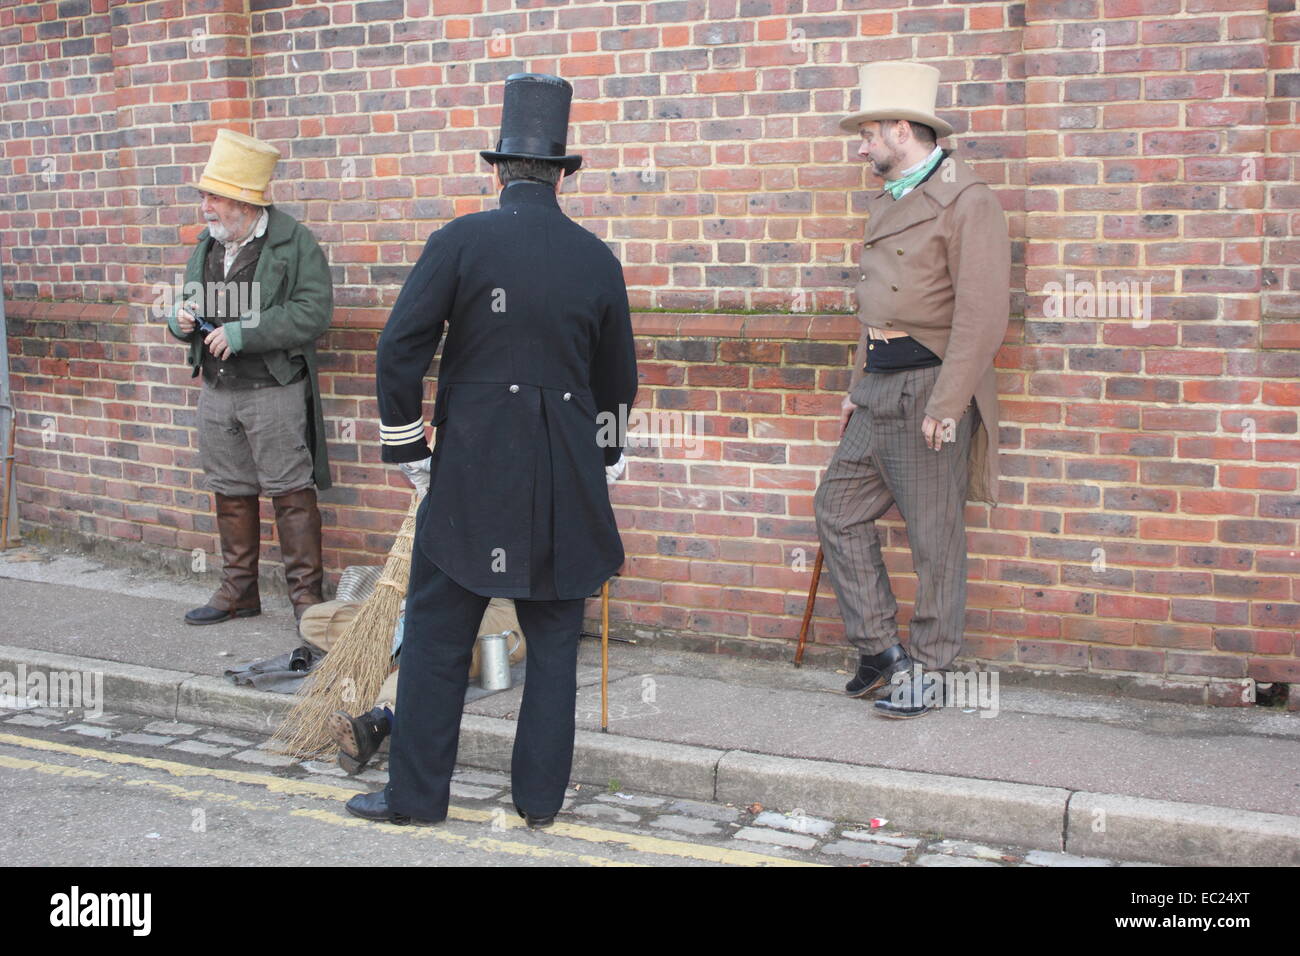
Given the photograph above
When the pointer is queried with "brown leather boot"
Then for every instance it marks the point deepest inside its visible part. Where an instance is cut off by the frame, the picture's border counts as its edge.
(241, 536)
(298, 519)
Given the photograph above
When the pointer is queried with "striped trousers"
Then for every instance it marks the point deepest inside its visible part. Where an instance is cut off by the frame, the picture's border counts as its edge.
(883, 460)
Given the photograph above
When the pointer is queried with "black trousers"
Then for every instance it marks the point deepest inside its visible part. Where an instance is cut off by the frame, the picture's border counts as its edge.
(442, 621)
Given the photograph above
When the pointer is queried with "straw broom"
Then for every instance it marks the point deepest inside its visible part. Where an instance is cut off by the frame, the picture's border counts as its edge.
(351, 674)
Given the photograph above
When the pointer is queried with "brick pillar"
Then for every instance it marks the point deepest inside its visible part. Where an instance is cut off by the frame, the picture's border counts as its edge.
(1281, 300)
(1148, 160)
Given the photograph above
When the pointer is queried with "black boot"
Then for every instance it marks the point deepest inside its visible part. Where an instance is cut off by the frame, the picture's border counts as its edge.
(913, 695)
(875, 670)
(534, 823)
(358, 737)
(374, 806)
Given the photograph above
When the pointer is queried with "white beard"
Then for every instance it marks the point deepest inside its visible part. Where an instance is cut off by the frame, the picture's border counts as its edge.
(217, 230)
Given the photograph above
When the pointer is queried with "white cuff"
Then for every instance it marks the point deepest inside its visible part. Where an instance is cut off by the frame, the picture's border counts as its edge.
(402, 434)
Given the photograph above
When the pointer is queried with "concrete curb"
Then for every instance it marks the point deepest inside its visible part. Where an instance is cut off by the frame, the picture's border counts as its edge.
(1018, 813)
(215, 700)
(141, 690)
(1114, 826)
(1188, 833)
(652, 765)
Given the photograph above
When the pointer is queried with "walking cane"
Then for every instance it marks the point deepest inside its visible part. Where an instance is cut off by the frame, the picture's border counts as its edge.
(812, 597)
(604, 658)
(808, 608)
(9, 477)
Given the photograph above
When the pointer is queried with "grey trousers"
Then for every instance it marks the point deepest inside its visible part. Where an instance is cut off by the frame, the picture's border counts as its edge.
(254, 440)
(883, 460)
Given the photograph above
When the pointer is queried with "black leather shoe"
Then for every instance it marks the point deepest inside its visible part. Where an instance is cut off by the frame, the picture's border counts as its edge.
(214, 615)
(374, 806)
(914, 695)
(358, 737)
(535, 823)
(874, 671)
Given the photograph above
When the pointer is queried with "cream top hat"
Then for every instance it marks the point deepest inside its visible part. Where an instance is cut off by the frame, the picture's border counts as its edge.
(239, 167)
(897, 90)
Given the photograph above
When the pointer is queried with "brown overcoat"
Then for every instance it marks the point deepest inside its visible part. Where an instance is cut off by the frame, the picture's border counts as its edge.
(936, 264)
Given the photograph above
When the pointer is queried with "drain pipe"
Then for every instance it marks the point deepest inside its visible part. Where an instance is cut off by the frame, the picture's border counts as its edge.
(8, 428)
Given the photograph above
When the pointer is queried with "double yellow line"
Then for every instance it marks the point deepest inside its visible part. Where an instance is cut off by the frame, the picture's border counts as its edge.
(320, 790)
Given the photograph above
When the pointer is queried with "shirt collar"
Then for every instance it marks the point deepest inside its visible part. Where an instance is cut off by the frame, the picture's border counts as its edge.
(259, 229)
(911, 169)
(912, 177)
(525, 191)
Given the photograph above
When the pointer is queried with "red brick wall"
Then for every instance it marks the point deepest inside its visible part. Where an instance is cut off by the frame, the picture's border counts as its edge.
(1149, 502)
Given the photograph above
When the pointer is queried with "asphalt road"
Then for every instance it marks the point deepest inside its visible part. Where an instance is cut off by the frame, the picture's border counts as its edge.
(87, 802)
(101, 789)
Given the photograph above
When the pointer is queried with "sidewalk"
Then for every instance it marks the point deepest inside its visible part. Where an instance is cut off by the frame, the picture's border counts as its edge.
(1088, 775)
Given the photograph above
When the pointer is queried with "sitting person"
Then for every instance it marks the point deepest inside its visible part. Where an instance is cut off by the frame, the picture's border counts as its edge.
(360, 737)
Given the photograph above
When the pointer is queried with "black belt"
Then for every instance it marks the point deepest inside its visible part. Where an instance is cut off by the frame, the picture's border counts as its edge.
(234, 381)
(899, 354)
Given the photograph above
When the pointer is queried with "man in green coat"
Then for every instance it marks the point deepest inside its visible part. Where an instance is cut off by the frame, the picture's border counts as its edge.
(257, 295)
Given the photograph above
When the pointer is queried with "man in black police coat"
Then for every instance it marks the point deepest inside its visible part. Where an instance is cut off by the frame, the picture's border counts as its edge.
(539, 350)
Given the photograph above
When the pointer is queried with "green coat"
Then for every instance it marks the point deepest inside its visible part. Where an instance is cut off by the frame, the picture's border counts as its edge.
(296, 303)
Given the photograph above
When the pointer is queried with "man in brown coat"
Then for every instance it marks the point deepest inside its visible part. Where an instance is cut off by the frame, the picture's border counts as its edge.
(921, 416)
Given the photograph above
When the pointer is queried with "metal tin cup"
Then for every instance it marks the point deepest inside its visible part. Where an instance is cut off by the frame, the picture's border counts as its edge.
(494, 660)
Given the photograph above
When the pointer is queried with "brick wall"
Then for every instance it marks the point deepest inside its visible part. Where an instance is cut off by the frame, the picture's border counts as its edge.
(1149, 501)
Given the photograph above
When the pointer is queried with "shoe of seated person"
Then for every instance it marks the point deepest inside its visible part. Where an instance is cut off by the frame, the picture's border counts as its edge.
(358, 738)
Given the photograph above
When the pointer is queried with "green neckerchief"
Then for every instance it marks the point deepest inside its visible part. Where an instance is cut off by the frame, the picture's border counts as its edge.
(896, 186)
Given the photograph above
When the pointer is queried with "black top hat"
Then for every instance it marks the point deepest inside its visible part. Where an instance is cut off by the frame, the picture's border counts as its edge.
(535, 120)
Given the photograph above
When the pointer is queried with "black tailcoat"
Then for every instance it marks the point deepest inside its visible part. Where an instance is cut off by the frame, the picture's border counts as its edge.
(538, 357)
